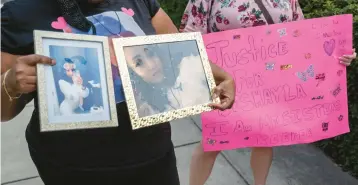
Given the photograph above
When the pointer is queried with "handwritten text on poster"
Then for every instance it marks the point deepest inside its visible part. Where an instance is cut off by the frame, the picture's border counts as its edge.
(290, 87)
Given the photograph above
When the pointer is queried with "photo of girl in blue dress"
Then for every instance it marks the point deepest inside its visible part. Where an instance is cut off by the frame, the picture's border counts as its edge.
(77, 80)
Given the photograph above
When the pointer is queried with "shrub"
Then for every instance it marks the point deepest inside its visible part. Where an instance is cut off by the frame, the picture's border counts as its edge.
(343, 149)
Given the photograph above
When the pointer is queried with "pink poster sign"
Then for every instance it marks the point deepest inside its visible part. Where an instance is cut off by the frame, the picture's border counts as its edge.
(290, 86)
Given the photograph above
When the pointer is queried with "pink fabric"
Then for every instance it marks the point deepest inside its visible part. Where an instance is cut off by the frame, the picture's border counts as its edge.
(207, 16)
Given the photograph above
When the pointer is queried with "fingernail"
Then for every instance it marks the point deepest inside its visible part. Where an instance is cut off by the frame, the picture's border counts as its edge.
(53, 62)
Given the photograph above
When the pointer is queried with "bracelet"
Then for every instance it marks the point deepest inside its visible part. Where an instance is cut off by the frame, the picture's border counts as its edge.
(4, 86)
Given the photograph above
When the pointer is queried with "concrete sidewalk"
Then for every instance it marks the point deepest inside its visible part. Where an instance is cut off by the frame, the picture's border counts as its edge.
(296, 165)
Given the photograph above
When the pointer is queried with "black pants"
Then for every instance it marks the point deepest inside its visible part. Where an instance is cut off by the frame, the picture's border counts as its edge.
(162, 171)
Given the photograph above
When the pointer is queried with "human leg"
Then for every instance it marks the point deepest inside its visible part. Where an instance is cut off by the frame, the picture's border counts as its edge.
(261, 159)
(201, 165)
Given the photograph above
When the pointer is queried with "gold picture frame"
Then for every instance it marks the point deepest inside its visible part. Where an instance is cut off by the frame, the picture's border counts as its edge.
(84, 59)
(128, 70)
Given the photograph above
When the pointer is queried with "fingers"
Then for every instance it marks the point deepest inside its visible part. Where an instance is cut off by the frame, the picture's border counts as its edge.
(22, 83)
(26, 84)
(30, 71)
(31, 80)
(28, 88)
(217, 106)
(22, 78)
(23, 70)
(345, 61)
(217, 91)
(226, 100)
(223, 105)
(37, 59)
(349, 57)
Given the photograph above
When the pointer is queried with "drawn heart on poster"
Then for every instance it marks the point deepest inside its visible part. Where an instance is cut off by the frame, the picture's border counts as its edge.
(329, 46)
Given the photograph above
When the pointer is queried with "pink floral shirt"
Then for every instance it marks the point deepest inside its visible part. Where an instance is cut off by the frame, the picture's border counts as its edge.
(207, 16)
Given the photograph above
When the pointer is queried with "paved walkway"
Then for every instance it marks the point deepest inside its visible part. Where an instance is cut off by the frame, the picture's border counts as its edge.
(296, 165)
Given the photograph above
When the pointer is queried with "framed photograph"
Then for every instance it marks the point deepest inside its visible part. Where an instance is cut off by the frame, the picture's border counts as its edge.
(77, 92)
(165, 77)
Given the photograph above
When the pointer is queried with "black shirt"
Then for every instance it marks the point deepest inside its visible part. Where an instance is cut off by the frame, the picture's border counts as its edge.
(98, 148)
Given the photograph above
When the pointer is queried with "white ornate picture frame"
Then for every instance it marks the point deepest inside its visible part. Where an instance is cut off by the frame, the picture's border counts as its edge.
(77, 92)
(165, 77)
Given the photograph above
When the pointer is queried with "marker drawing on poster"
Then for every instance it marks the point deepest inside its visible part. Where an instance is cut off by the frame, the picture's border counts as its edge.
(290, 87)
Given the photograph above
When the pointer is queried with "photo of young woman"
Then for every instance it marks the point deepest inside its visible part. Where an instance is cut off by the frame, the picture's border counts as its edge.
(167, 76)
(75, 85)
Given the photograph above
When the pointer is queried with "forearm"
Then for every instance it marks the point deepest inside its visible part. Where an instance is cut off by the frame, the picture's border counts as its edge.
(163, 24)
(219, 74)
(10, 109)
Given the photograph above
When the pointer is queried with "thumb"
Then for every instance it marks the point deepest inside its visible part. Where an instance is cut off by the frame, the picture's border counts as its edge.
(217, 91)
(37, 59)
